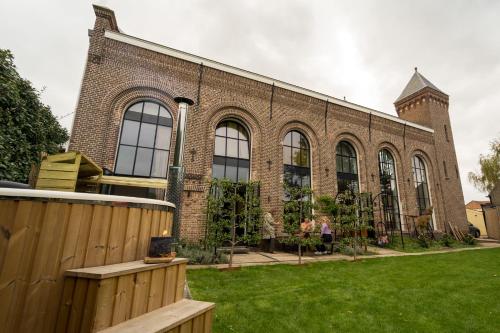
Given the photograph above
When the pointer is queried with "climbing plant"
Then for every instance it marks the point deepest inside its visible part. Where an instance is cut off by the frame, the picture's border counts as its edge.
(298, 206)
(353, 219)
(234, 214)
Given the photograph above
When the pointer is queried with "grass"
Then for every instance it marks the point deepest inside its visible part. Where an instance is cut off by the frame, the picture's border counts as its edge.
(412, 245)
(449, 292)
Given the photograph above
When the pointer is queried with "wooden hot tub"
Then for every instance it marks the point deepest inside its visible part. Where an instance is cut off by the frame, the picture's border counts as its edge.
(45, 233)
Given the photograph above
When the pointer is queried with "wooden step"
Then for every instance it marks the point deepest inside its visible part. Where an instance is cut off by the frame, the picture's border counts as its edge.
(98, 297)
(109, 271)
(183, 316)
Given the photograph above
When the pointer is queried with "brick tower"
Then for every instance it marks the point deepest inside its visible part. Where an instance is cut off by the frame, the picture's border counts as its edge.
(423, 103)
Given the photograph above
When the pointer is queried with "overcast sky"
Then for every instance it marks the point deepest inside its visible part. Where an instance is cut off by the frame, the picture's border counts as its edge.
(364, 50)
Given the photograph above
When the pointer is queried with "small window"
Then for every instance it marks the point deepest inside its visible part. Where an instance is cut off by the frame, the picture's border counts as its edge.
(446, 133)
(445, 169)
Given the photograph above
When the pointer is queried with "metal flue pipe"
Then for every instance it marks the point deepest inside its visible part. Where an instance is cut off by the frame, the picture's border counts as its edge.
(176, 173)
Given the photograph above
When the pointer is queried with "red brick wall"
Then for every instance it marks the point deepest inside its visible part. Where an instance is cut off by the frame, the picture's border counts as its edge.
(118, 74)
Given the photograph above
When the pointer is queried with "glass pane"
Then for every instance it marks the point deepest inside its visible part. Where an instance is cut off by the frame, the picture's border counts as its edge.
(165, 121)
(134, 112)
(346, 165)
(125, 160)
(288, 139)
(243, 174)
(295, 156)
(130, 130)
(221, 131)
(143, 162)
(306, 181)
(303, 142)
(296, 139)
(151, 108)
(339, 163)
(243, 149)
(163, 135)
(220, 146)
(232, 130)
(287, 155)
(243, 133)
(232, 147)
(304, 158)
(160, 163)
(147, 135)
(164, 113)
(354, 165)
(231, 173)
(218, 171)
(150, 114)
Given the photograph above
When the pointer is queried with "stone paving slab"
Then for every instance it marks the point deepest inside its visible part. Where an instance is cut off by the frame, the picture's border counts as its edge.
(262, 258)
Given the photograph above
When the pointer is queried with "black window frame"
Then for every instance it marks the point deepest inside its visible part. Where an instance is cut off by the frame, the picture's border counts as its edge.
(421, 184)
(389, 193)
(345, 180)
(225, 160)
(297, 170)
(131, 115)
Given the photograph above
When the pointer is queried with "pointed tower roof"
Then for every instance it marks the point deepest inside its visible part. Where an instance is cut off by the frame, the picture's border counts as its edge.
(416, 83)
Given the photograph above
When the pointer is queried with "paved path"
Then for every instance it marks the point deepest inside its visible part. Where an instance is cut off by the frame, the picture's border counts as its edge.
(263, 258)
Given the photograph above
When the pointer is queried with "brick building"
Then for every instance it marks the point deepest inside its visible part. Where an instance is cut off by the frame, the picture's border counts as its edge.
(244, 125)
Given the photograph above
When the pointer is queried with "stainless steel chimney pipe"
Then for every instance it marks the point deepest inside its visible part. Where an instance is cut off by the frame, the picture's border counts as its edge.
(180, 138)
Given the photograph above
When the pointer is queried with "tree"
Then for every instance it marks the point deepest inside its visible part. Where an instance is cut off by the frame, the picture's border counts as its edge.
(489, 175)
(27, 126)
(298, 206)
(234, 214)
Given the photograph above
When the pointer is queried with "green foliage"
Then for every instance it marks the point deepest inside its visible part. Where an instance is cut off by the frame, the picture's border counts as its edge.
(327, 205)
(469, 240)
(197, 255)
(489, 175)
(447, 240)
(353, 217)
(27, 126)
(233, 206)
(297, 207)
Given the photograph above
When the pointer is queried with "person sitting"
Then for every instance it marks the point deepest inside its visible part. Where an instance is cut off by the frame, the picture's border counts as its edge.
(326, 236)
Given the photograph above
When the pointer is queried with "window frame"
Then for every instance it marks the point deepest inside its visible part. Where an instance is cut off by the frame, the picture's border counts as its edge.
(295, 169)
(154, 148)
(241, 163)
(352, 176)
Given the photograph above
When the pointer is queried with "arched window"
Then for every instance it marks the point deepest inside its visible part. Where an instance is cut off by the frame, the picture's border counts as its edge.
(232, 152)
(144, 146)
(421, 186)
(296, 160)
(347, 168)
(388, 188)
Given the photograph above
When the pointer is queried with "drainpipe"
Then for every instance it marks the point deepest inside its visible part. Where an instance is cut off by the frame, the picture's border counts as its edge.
(176, 172)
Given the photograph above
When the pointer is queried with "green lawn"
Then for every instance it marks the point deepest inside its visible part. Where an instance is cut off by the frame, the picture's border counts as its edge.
(450, 292)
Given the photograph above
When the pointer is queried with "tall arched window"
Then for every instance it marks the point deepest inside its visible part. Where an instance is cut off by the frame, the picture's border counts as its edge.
(388, 188)
(421, 185)
(144, 146)
(232, 152)
(347, 168)
(296, 160)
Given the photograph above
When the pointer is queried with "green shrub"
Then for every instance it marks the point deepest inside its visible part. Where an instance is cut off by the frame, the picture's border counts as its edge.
(423, 241)
(469, 240)
(447, 240)
(199, 256)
